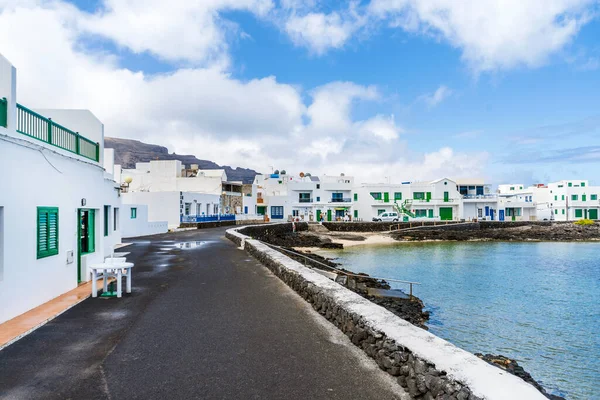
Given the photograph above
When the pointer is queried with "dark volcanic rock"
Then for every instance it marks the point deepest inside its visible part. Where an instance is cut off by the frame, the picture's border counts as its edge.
(510, 231)
(513, 367)
(128, 152)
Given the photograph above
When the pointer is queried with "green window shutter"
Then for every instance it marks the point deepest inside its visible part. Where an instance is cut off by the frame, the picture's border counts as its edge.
(563, 211)
(583, 197)
(428, 196)
(594, 197)
(574, 197)
(355, 213)
(430, 211)
(47, 231)
(386, 197)
(570, 184)
(555, 211)
(582, 184)
(555, 198)
(355, 196)
(446, 197)
(578, 213)
(398, 196)
(563, 196)
(92, 231)
(133, 213)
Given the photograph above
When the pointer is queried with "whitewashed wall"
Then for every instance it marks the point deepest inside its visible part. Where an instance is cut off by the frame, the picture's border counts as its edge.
(51, 180)
(139, 226)
(34, 174)
(165, 206)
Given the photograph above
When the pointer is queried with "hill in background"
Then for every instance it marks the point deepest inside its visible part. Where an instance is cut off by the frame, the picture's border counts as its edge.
(128, 152)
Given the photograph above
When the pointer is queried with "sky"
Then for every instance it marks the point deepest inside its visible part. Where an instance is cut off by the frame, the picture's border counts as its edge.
(384, 90)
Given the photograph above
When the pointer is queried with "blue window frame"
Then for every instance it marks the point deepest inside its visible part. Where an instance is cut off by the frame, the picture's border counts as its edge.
(276, 212)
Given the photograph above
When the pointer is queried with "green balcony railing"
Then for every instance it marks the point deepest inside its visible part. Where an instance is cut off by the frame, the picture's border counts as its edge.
(3, 112)
(34, 125)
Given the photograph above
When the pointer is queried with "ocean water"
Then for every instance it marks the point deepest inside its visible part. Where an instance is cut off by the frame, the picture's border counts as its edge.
(538, 303)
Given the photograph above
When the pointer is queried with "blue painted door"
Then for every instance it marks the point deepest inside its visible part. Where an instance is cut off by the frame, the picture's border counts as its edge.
(501, 215)
(492, 214)
(487, 211)
(245, 209)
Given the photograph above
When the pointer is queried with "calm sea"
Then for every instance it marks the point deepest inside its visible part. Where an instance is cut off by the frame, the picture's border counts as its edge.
(538, 303)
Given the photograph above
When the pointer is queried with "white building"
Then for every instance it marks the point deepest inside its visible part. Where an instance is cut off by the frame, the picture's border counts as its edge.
(59, 207)
(572, 200)
(479, 202)
(282, 196)
(434, 200)
(175, 194)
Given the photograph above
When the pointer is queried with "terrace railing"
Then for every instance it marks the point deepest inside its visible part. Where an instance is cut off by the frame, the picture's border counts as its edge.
(37, 126)
(207, 218)
(4, 112)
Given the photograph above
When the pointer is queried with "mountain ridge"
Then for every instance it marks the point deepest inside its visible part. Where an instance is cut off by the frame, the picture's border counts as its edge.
(128, 152)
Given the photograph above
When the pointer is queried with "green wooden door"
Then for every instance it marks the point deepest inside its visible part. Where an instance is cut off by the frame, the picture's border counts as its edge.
(446, 213)
(428, 196)
(386, 197)
(446, 197)
(328, 215)
(586, 214)
(593, 214)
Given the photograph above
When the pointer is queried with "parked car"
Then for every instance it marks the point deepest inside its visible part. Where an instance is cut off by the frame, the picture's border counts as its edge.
(387, 216)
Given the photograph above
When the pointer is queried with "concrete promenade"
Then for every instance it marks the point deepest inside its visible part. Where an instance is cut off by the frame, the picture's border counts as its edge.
(204, 322)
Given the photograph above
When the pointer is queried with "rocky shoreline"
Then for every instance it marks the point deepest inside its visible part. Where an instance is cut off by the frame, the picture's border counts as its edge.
(411, 310)
(504, 232)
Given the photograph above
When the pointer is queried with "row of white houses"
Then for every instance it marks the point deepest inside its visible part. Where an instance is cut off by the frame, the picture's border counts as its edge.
(315, 198)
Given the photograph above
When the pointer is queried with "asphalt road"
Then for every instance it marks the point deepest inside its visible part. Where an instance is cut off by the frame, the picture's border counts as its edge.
(206, 322)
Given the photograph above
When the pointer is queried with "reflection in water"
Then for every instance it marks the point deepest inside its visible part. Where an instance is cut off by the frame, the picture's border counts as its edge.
(189, 245)
(535, 302)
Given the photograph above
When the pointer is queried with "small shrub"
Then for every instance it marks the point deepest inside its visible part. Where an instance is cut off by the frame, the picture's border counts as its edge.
(585, 222)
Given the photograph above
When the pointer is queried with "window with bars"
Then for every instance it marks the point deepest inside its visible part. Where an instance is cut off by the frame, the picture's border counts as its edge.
(47, 231)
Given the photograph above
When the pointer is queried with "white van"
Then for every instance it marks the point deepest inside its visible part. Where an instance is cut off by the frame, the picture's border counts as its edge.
(387, 216)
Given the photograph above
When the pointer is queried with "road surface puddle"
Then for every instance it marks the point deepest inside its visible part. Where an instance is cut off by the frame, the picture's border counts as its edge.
(189, 245)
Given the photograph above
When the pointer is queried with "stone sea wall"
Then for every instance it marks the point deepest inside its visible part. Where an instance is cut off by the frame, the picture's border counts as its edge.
(426, 366)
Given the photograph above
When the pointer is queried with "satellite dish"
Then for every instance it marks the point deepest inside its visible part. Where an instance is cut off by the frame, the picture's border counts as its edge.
(301, 174)
(128, 180)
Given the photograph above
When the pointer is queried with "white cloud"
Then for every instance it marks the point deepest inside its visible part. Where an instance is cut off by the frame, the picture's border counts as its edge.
(492, 34)
(380, 127)
(435, 98)
(319, 32)
(203, 110)
(173, 30)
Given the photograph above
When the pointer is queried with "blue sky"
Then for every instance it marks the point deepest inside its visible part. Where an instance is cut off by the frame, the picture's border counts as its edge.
(353, 84)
